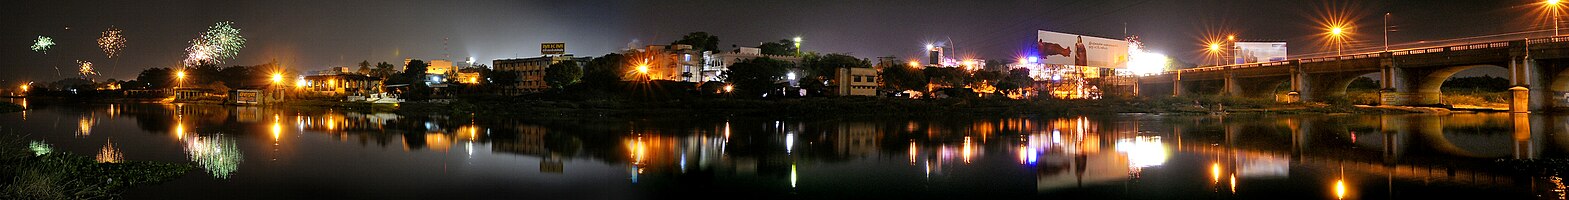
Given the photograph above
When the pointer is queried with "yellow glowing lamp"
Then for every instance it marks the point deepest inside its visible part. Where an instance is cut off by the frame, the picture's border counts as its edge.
(277, 78)
(642, 69)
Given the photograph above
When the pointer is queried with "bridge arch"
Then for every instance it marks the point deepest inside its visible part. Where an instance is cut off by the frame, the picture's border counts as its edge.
(1426, 84)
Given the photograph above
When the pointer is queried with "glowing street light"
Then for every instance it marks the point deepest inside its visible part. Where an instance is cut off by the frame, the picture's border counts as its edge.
(277, 78)
(729, 88)
(1337, 33)
(915, 64)
(1553, 6)
(1214, 50)
(180, 78)
(643, 69)
(797, 40)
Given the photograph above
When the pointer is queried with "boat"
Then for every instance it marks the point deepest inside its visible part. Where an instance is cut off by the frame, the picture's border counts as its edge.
(376, 98)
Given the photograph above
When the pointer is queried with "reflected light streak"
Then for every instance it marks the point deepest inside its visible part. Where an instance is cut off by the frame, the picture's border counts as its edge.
(277, 132)
(1214, 172)
(913, 152)
(792, 176)
(179, 130)
(1233, 183)
(110, 154)
(1340, 189)
(789, 142)
(966, 151)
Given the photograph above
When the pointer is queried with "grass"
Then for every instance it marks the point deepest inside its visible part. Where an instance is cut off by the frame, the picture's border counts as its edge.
(62, 175)
(7, 107)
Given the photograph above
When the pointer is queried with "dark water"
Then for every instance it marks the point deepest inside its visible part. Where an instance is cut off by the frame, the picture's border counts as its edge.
(281, 153)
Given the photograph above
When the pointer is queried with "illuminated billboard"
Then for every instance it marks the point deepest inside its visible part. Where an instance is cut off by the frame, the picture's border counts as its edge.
(1078, 50)
(1252, 52)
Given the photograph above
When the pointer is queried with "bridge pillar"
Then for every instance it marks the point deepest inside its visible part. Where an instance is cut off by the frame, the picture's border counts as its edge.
(1176, 84)
(1521, 76)
(1394, 83)
(1231, 87)
(1295, 95)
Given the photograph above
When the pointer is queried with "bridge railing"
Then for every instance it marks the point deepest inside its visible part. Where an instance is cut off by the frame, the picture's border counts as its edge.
(1413, 51)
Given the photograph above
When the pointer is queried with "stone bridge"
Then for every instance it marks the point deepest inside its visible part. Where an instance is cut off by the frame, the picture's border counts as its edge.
(1410, 76)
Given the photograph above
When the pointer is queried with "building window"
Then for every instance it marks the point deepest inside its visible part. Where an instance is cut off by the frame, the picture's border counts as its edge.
(857, 78)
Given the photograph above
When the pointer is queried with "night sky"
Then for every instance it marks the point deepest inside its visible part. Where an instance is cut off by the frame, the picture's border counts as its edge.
(313, 35)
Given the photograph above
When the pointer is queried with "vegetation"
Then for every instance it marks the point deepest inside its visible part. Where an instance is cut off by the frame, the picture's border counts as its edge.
(781, 47)
(561, 74)
(756, 76)
(7, 107)
(701, 41)
(62, 175)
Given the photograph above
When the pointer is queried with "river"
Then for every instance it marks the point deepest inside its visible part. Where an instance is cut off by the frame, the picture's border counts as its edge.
(320, 153)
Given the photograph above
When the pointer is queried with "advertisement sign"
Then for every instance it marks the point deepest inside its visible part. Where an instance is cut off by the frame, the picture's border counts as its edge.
(555, 48)
(1078, 50)
(1253, 52)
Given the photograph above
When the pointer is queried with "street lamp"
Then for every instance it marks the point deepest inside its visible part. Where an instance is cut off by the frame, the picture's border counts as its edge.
(643, 69)
(277, 78)
(180, 78)
(797, 40)
(1214, 50)
(1553, 6)
(1337, 34)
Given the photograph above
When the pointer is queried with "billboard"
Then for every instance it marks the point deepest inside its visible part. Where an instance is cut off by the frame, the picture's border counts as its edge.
(1252, 52)
(1078, 50)
(556, 48)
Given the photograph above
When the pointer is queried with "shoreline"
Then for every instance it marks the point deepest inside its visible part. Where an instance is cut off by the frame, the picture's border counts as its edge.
(836, 107)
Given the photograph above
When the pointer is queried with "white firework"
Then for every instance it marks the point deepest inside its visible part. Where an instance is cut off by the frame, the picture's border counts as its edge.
(111, 42)
(42, 44)
(221, 41)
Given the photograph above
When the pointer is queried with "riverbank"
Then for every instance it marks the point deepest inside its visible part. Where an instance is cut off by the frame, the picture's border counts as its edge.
(863, 107)
(8, 107)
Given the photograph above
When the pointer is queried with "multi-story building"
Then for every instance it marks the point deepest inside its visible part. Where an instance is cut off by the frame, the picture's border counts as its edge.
(856, 81)
(530, 72)
(716, 64)
(669, 62)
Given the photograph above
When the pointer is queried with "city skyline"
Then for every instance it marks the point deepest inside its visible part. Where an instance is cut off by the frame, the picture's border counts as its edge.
(385, 32)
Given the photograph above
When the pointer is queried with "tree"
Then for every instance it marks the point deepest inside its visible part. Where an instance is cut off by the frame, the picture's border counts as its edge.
(498, 77)
(156, 77)
(416, 69)
(900, 78)
(946, 76)
(365, 67)
(384, 69)
(604, 71)
(562, 74)
(701, 41)
(1016, 80)
(757, 76)
(782, 47)
(827, 66)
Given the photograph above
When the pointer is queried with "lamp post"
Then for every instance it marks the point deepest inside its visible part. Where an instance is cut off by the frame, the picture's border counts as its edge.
(1214, 50)
(179, 78)
(643, 69)
(277, 83)
(797, 40)
(1337, 34)
(1553, 6)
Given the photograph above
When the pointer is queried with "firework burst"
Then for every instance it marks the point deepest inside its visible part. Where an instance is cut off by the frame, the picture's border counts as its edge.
(85, 68)
(42, 44)
(111, 42)
(221, 41)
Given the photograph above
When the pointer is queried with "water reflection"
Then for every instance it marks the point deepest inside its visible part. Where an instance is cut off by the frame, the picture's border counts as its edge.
(109, 153)
(217, 154)
(1342, 154)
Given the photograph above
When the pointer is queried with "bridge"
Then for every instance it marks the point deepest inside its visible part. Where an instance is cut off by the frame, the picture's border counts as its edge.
(1537, 72)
